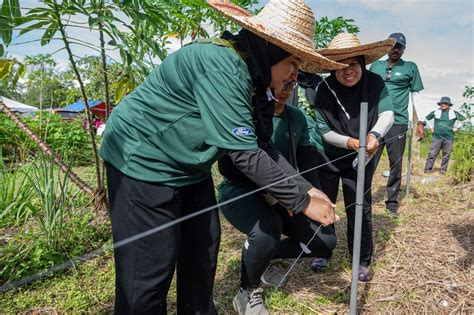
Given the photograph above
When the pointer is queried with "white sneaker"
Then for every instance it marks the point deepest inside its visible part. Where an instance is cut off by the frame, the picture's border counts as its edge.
(250, 302)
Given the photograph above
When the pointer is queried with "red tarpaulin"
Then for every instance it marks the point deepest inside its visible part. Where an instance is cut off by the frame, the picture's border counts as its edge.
(99, 110)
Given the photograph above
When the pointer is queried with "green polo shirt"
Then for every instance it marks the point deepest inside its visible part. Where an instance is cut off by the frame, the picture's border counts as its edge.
(443, 127)
(321, 127)
(181, 119)
(404, 78)
(300, 129)
(310, 115)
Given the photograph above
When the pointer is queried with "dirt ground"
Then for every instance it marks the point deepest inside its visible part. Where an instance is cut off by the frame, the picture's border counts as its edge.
(423, 261)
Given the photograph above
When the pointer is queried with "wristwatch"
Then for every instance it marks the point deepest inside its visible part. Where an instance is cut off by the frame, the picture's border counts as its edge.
(377, 135)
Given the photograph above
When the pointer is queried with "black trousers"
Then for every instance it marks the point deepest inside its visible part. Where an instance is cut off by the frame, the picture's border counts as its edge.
(145, 267)
(395, 141)
(342, 169)
(264, 224)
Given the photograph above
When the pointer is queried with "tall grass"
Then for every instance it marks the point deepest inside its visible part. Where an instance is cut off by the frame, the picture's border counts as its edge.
(15, 195)
(51, 191)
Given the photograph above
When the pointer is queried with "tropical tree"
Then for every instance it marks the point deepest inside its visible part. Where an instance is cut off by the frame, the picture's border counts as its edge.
(40, 74)
(138, 29)
(325, 29)
(468, 107)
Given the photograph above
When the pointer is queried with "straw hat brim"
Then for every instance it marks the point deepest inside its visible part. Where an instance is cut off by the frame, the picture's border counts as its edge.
(372, 52)
(311, 60)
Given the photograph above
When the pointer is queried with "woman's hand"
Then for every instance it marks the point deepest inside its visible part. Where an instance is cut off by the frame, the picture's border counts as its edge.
(372, 144)
(314, 192)
(353, 144)
(321, 211)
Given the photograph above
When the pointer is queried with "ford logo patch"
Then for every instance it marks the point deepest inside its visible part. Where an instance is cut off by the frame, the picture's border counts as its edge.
(242, 131)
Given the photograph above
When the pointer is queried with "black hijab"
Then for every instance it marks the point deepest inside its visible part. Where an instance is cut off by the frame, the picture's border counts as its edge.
(259, 55)
(368, 89)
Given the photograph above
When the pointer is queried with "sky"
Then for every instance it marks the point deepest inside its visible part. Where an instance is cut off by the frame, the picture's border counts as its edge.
(439, 34)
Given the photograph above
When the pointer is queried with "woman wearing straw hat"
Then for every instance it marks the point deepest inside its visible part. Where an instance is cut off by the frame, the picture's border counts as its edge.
(163, 138)
(337, 105)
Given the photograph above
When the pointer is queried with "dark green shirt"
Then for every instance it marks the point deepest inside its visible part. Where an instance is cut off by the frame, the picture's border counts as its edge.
(181, 119)
(280, 137)
(310, 114)
(404, 78)
(300, 129)
(321, 126)
(443, 126)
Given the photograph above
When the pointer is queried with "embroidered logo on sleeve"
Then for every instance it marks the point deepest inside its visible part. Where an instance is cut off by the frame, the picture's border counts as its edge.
(242, 131)
(322, 126)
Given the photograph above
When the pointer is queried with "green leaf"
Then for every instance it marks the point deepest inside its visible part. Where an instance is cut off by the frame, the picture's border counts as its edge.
(6, 66)
(19, 73)
(112, 42)
(34, 27)
(46, 38)
(2, 50)
(93, 22)
(15, 8)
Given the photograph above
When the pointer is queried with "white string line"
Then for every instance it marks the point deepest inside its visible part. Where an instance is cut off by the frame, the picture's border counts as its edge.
(14, 284)
(297, 258)
(316, 232)
(25, 280)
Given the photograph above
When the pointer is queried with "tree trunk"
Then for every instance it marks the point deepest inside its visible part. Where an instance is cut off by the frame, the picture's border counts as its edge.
(100, 187)
(47, 150)
(106, 80)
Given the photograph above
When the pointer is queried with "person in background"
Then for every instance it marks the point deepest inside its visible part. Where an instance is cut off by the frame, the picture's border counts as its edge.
(264, 220)
(337, 107)
(162, 140)
(401, 78)
(446, 122)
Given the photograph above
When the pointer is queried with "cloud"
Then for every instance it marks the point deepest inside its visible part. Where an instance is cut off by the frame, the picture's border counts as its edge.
(383, 5)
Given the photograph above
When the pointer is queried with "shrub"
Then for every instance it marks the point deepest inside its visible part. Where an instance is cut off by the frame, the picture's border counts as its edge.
(68, 139)
(462, 158)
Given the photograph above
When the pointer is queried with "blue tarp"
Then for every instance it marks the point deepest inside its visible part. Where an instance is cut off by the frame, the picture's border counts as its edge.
(79, 105)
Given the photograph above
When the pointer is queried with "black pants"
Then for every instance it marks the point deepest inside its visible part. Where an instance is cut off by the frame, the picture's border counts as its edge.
(145, 267)
(342, 169)
(264, 224)
(395, 141)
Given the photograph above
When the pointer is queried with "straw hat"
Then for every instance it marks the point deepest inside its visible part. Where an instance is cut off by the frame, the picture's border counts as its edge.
(346, 45)
(289, 24)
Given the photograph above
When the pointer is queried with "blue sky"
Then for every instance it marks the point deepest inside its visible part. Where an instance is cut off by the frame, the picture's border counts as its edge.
(439, 38)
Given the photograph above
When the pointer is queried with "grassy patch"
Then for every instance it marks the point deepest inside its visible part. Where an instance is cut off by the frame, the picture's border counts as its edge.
(89, 287)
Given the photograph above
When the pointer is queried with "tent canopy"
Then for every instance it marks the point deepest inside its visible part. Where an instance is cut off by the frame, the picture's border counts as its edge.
(99, 110)
(79, 105)
(17, 106)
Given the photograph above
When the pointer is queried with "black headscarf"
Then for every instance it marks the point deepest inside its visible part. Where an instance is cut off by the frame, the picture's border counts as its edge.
(259, 55)
(369, 88)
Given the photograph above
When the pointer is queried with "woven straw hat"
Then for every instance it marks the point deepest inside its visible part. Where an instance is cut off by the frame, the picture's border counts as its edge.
(346, 45)
(289, 24)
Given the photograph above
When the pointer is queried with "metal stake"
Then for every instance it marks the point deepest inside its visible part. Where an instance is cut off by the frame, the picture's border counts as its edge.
(359, 203)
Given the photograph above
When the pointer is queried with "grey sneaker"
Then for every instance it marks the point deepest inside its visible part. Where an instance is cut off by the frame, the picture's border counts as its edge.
(250, 302)
(272, 276)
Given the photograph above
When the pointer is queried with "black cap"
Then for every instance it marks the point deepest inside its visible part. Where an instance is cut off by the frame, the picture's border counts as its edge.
(400, 38)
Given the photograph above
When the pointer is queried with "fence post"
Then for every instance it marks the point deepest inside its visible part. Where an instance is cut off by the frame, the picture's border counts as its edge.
(359, 205)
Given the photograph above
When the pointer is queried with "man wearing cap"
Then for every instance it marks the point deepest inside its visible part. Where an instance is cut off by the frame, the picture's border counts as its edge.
(445, 125)
(401, 78)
